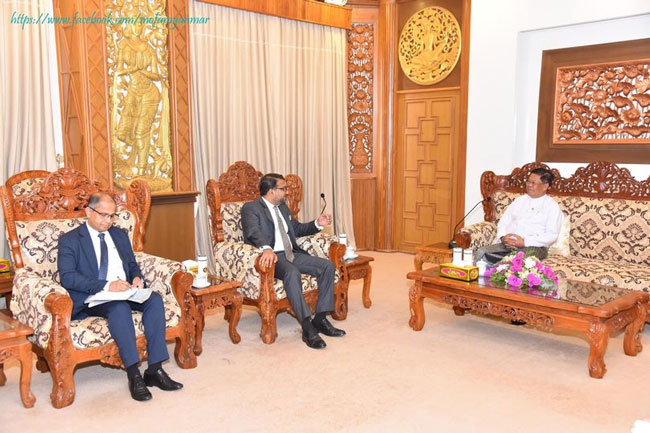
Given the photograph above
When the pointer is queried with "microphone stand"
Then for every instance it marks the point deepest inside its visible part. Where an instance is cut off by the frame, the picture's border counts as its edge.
(452, 243)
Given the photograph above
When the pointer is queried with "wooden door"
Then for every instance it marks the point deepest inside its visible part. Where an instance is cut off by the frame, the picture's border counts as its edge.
(426, 171)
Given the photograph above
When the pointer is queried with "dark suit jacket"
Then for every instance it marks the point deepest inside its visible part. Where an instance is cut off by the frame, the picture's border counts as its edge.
(79, 268)
(259, 229)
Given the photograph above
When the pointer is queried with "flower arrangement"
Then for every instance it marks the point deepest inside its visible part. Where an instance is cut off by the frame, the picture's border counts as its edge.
(521, 271)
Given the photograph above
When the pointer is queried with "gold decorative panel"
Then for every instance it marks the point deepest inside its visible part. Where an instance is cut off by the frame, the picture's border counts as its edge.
(429, 46)
(607, 102)
(137, 59)
(360, 96)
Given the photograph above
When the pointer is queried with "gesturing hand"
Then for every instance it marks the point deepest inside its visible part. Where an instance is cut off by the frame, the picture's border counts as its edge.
(324, 220)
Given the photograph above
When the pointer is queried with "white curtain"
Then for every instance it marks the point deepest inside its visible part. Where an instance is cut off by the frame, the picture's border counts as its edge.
(272, 92)
(28, 98)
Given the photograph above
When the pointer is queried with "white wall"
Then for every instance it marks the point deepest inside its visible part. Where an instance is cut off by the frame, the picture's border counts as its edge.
(507, 39)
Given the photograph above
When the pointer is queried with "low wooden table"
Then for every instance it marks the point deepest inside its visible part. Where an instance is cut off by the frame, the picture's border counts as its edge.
(14, 345)
(434, 253)
(591, 308)
(223, 293)
(360, 268)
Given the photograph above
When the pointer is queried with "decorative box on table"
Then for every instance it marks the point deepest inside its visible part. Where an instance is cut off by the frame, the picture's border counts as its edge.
(5, 266)
(463, 273)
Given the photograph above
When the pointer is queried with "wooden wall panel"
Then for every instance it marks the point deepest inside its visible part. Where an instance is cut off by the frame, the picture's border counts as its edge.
(364, 212)
(426, 168)
(169, 231)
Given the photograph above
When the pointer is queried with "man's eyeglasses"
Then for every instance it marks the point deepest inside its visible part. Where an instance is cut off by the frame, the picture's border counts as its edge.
(283, 188)
(102, 214)
(533, 183)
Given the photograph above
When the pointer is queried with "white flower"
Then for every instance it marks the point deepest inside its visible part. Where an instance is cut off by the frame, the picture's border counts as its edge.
(502, 267)
(530, 262)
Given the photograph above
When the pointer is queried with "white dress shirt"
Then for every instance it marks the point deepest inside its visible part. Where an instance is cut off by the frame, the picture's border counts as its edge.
(278, 238)
(537, 220)
(115, 267)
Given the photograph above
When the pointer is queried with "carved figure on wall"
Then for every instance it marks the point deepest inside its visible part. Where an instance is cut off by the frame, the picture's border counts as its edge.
(429, 45)
(139, 98)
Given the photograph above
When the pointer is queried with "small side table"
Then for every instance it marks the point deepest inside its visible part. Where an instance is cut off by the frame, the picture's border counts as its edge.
(223, 293)
(6, 284)
(14, 345)
(434, 253)
(360, 268)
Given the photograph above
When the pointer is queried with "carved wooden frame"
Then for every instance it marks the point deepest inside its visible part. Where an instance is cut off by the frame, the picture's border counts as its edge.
(624, 151)
(64, 194)
(241, 183)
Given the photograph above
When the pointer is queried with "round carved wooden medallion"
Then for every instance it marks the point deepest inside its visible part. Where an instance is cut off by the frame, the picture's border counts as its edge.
(429, 46)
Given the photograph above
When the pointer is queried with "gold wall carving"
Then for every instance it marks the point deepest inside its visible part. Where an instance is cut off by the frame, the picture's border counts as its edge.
(607, 102)
(137, 59)
(429, 46)
(360, 96)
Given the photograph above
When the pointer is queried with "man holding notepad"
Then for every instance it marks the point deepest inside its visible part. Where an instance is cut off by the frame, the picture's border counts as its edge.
(97, 257)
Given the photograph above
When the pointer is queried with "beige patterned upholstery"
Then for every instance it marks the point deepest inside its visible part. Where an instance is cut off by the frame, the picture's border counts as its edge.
(609, 239)
(39, 277)
(232, 228)
(236, 261)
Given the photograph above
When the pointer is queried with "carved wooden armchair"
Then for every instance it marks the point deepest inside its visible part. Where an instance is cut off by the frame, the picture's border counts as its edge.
(238, 261)
(39, 207)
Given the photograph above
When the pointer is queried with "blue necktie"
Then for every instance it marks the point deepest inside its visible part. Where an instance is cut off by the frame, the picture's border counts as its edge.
(103, 257)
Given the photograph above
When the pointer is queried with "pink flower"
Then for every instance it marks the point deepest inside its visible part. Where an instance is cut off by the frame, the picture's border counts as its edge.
(514, 281)
(533, 280)
(539, 266)
(520, 255)
(489, 271)
(516, 267)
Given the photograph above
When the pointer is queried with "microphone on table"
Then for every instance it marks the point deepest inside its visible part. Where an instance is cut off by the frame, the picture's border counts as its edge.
(452, 242)
(322, 197)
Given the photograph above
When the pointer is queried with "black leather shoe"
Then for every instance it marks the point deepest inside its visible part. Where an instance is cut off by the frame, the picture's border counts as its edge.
(325, 327)
(517, 322)
(313, 340)
(162, 380)
(138, 389)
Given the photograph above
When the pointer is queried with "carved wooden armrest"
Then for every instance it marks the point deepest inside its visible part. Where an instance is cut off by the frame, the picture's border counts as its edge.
(336, 253)
(36, 300)
(477, 235)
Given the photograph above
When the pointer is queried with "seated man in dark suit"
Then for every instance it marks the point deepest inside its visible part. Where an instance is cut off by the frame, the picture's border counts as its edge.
(268, 225)
(97, 256)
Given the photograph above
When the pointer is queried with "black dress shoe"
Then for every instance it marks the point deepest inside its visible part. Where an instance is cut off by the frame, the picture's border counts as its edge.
(313, 340)
(162, 380)
(138, 389)
(517, 322)
(325, 327)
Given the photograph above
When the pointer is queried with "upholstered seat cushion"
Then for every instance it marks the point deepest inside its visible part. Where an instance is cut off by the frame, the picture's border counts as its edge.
(606, 272)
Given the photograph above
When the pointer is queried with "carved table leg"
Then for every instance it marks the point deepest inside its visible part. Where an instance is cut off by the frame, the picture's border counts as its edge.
(598, 338)
(41, 364)
(3, 378)
(417, 261)
(365, 295)
(234, 314)
(200, 324)
(26, 395)
(632, 342)
(416, 303)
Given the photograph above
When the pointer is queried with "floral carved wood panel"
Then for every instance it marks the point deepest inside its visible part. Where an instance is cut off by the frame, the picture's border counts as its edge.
(360, 97)
(607, 102)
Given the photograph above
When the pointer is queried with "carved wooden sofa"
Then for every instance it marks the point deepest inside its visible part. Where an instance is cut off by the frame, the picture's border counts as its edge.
(238, 261)
(39, 207)
(605, 236)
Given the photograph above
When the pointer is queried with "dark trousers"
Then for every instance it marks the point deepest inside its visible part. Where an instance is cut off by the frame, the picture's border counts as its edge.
(495, 252)
(289, 273)
(120, 325)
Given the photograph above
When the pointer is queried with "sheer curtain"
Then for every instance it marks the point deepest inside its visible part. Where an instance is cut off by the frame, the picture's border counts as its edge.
(272, 92)
(28, 98)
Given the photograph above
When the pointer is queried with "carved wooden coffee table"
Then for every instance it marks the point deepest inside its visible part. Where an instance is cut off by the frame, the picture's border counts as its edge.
(591, 308)
(434, 253)
(14, 345)
(220, 293)
(360, 268)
